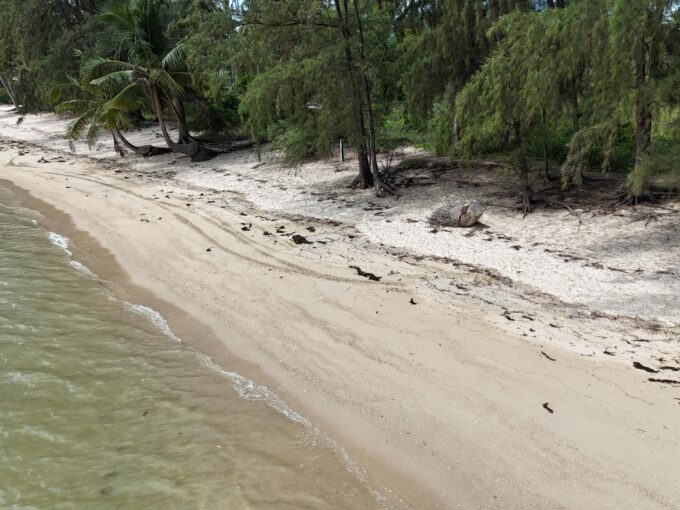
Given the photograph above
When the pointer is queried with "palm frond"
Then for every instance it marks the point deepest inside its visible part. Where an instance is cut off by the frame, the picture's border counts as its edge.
(132, 97)
(78, 106)
(99, 67)
(76, 129)
(114, 81)
(113, 119)
(123, 19)
(166, 81)
(175, 60)
(67, 86)
(94, 130)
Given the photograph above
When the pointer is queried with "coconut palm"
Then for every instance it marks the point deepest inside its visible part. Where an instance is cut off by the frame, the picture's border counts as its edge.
(152, 66)
(98, 108)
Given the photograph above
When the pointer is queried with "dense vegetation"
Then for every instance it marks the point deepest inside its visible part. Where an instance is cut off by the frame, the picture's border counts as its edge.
(579, 83)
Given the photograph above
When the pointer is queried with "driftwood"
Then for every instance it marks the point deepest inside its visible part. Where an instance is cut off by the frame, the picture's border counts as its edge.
(465, 215)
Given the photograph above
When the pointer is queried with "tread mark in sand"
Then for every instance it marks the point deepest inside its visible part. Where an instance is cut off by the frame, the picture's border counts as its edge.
(288, 267)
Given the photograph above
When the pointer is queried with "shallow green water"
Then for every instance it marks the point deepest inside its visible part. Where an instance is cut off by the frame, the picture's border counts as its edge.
(100, 409)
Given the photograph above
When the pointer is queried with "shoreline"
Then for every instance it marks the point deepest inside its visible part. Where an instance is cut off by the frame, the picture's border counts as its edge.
(463, 394)
(85, 249)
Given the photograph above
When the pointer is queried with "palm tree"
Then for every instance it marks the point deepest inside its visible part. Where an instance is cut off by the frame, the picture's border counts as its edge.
(97, 109)
(153, 67)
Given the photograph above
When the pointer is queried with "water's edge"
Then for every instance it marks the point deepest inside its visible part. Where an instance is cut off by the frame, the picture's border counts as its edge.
(246, 388)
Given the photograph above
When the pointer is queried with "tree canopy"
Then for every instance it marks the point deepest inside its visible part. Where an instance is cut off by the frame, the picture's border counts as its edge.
(578, 84)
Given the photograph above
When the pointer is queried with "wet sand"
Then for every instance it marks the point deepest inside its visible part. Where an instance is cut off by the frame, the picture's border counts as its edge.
(443, 402)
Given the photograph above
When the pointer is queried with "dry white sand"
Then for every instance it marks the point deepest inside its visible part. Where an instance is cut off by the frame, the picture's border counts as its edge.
(615, 263)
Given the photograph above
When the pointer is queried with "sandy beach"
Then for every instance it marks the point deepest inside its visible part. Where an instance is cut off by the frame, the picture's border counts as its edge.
(531, 364)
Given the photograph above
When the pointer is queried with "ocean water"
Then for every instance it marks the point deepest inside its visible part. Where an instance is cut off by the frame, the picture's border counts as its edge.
(102, 407)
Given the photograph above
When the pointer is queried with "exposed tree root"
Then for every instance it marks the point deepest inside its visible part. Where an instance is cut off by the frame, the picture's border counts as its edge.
(527, 198)
(385, 188)
(204, 154)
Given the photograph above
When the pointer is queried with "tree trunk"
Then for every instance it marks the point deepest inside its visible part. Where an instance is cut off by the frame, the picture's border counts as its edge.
(643, 110)
(158, 107)
(365, 177)
(523, 167)
(116, 145)
(182, 127)
(560, 4)
(144, 150)
(7, 85)
(492, 9)
(575, 125)
(375, 171)
(193, 150)
(546, 161)
(505, 138)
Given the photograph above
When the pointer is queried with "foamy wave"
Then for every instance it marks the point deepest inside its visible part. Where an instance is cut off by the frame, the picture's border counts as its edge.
(156, 319)
(21, 378)
(250, 390)
(82, 268)
(246, 388)
(59, 241)
(62, 242)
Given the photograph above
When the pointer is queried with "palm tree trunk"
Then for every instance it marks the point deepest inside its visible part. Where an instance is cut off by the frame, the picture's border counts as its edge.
(116, 145)
(193, 150)
(188, 149)
(144, 150)
(158, 108)
(178, 106)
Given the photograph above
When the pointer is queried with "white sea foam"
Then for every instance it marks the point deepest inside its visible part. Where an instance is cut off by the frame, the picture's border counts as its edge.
(82, 268)
(22, 379)
(62, 242)
(154, 317)
(39, 433)
(250, 390)
(59, 241)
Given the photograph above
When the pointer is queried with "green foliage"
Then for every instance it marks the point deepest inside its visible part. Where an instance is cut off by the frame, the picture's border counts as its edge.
(296, 146)
(594, 84)
(207, 30)
(302, 91)
(439, 128)
(218, 115)
(37, 41)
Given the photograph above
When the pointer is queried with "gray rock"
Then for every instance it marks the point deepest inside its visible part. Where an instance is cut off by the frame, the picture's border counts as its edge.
(450, 215)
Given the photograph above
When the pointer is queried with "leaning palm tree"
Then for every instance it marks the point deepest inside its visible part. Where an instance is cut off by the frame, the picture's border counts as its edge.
(97, 109)
(152, 66)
